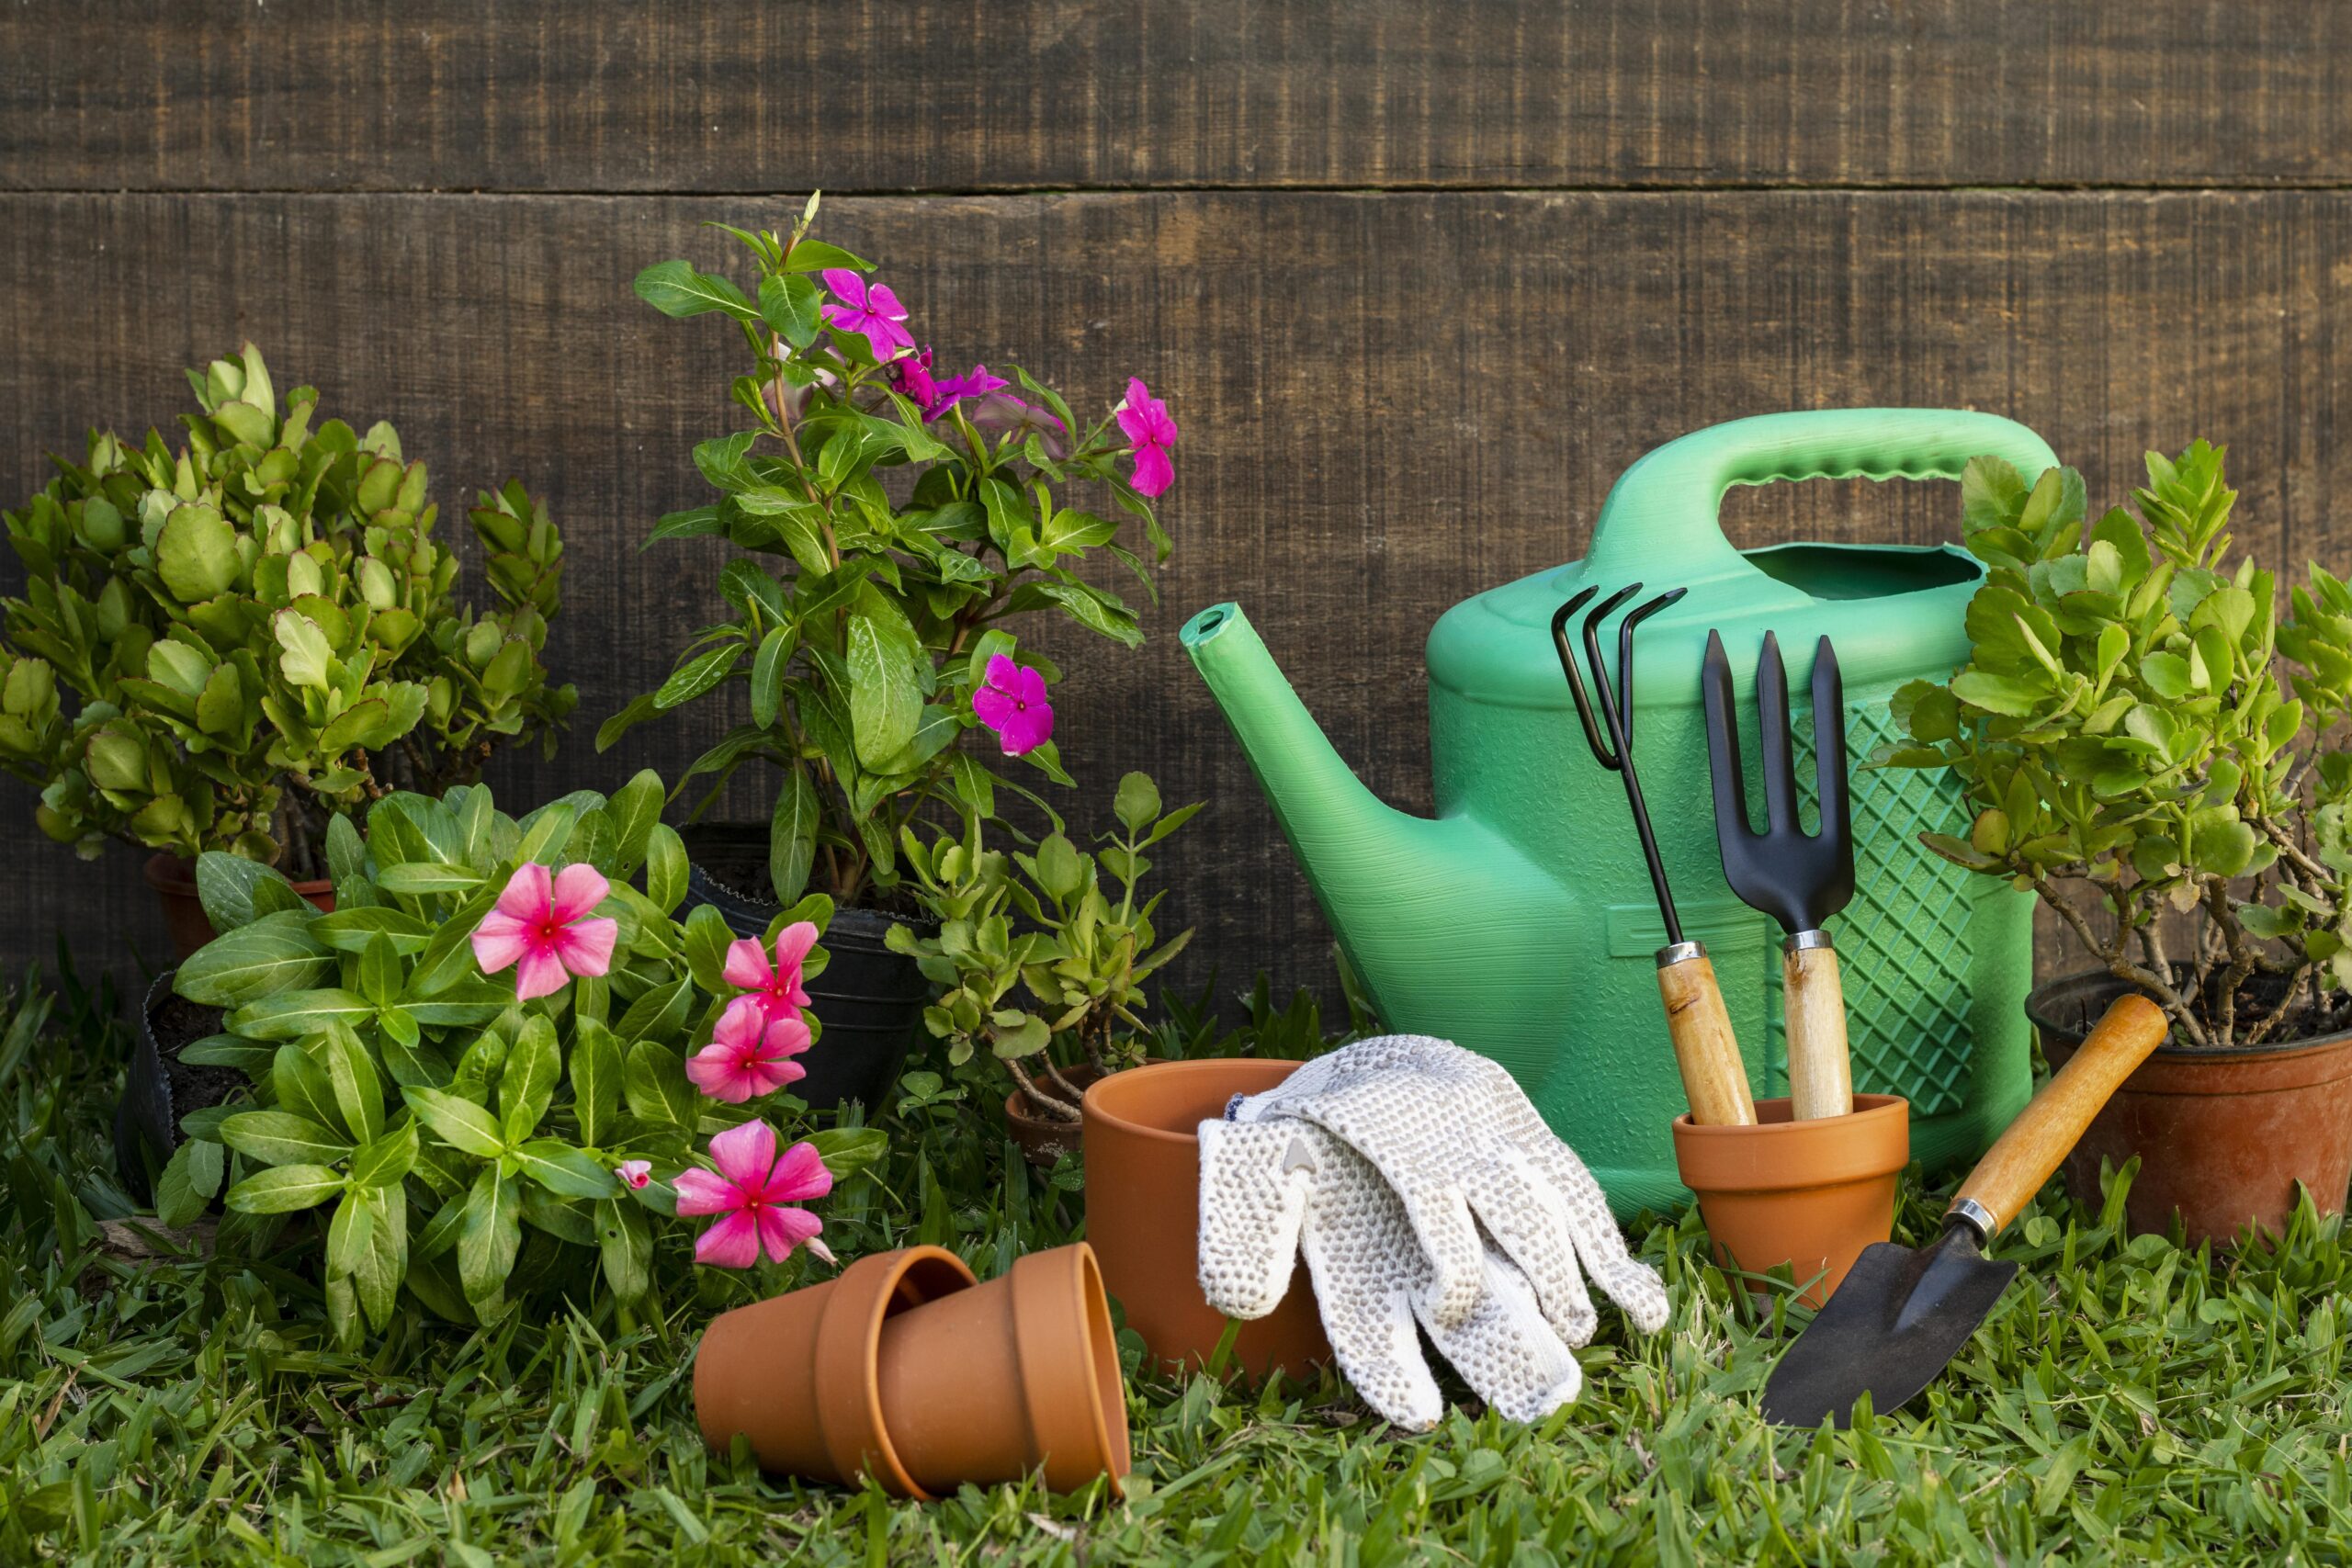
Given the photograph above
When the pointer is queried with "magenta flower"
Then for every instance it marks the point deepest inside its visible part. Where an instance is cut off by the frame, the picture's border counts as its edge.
(1012, 702)
(776, 988)
(543, 926)
(979, 382)
(748, 1055)
(757, 1192)
(911, 372)
(637, 1174)
(1145, 421)
(869, 310)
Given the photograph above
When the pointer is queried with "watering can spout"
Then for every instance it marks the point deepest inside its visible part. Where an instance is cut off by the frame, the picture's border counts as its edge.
(1359, 852)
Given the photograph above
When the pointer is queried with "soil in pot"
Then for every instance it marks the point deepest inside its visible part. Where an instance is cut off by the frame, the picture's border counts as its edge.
(2223, 1137)
(1808, 1194)
(159, 1088)
(174, 880)
(869, 1000)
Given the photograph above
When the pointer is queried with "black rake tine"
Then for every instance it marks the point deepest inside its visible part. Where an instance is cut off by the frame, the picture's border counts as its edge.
(1613, 713)
(1830, 743)
(1593, 738)
(1772, 733)
(1625, 629)
(1722, 735)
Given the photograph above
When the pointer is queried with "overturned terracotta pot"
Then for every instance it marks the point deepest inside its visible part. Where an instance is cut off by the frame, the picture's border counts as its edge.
(1809, 1194)
(1143, 1215)
(906, 1368)
(174, 880)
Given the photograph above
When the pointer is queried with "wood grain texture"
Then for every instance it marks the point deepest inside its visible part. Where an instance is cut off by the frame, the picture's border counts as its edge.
(1714, 1078)
(1016, 95)
(2025, 1155)
(1388, 402)
(1813, 999)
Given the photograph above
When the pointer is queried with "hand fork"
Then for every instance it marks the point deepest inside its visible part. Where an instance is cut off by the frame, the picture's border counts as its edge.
(1798, 878)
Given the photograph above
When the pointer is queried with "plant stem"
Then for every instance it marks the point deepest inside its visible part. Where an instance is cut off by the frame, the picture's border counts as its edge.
(2122, 966)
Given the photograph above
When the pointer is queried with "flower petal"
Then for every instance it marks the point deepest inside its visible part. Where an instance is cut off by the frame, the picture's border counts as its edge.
(1026, 730)
(577, 889)
(994, 707)
(787, 1037)
(540, 974)
(732, 1243)
(499, 940)
(747, 966)
(718, 1071)
(800, 1174)
(844, 285)
(527, 893)
(781, 1230)
(792, 945)
(1003, 672)
(585, 947)
(700, 1192)
(637, 1173)
(1028, 685)
(745, 1155)
(883, 301)
(765, 1075)
(1154, 473)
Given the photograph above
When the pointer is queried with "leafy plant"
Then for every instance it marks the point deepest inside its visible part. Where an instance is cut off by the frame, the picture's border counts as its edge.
(462, 1144)
(895, 521)
(2139, 734)
(1046, 923)
(257, 630)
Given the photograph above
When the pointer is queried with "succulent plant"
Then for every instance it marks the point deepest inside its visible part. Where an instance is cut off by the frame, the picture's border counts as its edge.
(222, 646)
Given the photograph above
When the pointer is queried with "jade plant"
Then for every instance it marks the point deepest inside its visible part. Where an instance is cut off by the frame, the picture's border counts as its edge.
(2147, 745)
(1041, 955)
(223, 644)
(896, 523)
(502, 1064)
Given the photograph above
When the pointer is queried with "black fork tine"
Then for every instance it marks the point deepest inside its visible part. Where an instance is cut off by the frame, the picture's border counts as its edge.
(1722, 742)
(1829, 755)
(1773, 734)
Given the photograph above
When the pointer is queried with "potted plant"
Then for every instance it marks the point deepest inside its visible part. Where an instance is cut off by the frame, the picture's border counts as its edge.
(225, 645)
(1039, 960)
(500, 1063)
(895, 521)
(2153, 751)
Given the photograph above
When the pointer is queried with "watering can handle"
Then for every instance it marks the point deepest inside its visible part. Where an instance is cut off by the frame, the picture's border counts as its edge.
(1662, 516)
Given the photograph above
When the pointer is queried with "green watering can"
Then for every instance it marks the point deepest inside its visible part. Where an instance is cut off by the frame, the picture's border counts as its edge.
(1519, 922)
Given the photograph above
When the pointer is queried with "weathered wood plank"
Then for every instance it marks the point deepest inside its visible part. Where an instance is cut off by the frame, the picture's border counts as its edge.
(1387, 402)
(878, 95)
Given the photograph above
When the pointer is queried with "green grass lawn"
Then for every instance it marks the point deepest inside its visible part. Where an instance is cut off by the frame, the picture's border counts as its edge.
(2126, 1399)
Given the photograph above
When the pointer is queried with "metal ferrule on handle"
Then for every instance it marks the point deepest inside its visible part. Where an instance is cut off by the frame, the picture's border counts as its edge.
(1705, 1050)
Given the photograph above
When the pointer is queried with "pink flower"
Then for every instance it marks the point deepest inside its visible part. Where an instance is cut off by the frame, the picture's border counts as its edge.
(1012, 702)
(756, 1192)
(545, 928)
(748, 1055)
(1145, 420)
(776, 990)
(870, 310)
(637, 1173)
(979, 382)
(912, 374)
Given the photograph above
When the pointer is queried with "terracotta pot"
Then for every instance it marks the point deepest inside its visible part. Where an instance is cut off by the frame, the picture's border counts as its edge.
(1809, 1194)
(1041, 1139)
(174, 880)
(1143, 1215)
(2223, 1137)
(905, 1368)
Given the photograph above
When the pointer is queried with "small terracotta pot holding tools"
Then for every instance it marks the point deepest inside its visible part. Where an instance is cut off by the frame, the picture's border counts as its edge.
(906, 1368)
(1810, 1194)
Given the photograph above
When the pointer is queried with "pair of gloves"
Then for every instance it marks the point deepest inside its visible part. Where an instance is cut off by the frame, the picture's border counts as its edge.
(1423, 1188)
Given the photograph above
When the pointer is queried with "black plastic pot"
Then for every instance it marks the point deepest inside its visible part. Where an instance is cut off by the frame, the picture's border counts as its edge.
(158, 1089)
(869, 1000)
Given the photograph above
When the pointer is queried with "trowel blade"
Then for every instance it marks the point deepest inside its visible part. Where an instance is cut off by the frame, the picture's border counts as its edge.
(1901, 1314)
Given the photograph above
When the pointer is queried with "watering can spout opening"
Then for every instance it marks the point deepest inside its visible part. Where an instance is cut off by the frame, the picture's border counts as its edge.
(1208, 623)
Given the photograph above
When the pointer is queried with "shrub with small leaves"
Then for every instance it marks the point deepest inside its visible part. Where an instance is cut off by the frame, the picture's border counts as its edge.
(222, 646)
(2140, 733)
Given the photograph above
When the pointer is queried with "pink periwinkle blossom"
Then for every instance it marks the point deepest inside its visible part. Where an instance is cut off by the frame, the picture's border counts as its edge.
(774, 987)
(757, 1192)
(636, 1174)
(1146, 423)
(911, 374)
(870, 310)
(976, 382)
(749, 1056)
(1012, 702)
(541, 924)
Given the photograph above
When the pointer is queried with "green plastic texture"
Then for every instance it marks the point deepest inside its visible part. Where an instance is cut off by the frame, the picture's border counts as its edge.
(1519, 922)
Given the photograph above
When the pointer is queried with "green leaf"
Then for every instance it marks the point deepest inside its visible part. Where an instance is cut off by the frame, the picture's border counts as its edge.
(1998, 693)
(660, 1012)
(488, 1237)
(848, 1150)
(526, 1085)
(885, 702)
(665, 868)
(384, 1160)
(697, 675)
(625, 1243)
(356, 928)
(285, 1189)
(1137, 802)
(281, 1137)
(565, 1171)
(814, 256)
(226, 884)
(767, 674)
(708, 938)
(271, 956)
(306, 652)
(196, 554)
(676, 288)
(382, 1265)
(450, 955)
(178, 1202)
(792, 834)
(424, 877)
(293, 1014)
(457, 1121)
(656, 1087)
(596, 1082)
(792, 307)
(380, 971)
(358, 1093)
(634, 811)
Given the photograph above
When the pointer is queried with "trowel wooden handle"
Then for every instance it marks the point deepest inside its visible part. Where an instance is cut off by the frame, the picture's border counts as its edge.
(1821, 1077)
(2014, 1168)
(1704, 1047)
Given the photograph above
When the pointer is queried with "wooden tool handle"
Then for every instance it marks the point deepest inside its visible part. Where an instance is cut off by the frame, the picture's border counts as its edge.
(2014, 1168)
(1704, 1048)
(1821, 1079)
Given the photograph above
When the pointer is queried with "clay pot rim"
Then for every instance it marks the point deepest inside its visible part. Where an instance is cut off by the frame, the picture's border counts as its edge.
(1784, 1156)
(168, 873)
(2098, 982)
(1098, 1104)
(1078, 1281)
(849, 1344)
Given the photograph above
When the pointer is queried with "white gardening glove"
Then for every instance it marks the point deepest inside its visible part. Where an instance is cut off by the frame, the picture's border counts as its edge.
(1455, 1135)
(1271, 1191)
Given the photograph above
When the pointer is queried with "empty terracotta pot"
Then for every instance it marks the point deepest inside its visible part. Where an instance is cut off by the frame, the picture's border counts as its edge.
(1143, 1215)
(906, 1368)
(1809, 1194)
(174, 880)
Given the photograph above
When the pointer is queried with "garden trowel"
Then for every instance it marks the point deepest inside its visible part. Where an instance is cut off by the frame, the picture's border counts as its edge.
(1903, 1313)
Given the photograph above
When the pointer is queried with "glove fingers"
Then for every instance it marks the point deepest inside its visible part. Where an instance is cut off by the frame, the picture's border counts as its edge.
(1379, 1351)
(1531, 1225)
(1508, 1353)
(1252, 1211)
(1631, 1283)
